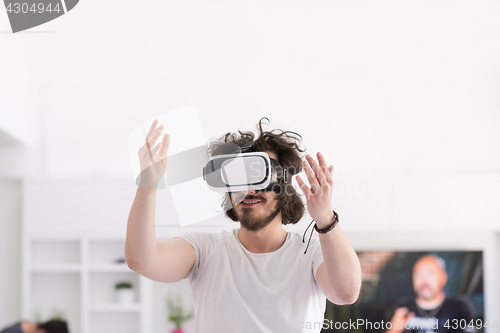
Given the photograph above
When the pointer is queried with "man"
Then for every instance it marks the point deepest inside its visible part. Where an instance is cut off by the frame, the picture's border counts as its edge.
(256, 278)
(432, 310)
(52, 326)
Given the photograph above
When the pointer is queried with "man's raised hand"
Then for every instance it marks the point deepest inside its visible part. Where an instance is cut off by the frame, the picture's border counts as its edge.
(398, 320)
(153, 157)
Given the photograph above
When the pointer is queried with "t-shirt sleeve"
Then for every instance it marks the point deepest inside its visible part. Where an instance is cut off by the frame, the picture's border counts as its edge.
(317, 256)
(16, 328)
(201, 244)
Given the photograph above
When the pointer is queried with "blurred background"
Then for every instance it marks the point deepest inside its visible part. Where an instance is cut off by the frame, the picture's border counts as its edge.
(402, 97)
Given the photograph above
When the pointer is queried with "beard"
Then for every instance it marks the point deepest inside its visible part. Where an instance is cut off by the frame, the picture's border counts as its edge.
(426, 292)
(253, 223)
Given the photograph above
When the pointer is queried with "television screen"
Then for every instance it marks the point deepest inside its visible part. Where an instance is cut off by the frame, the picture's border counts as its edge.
(415, 292)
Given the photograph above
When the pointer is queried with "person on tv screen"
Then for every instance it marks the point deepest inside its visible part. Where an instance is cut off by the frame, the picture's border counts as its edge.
(51, 326)
(256, 278)
(431, 310)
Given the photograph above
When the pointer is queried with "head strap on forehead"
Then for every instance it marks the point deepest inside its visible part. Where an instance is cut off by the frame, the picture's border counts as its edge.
(243, 149)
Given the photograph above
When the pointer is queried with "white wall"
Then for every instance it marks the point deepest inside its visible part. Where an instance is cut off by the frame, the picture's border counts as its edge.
(19, 105)
(21, 110)
(10, 249)
(399, 86)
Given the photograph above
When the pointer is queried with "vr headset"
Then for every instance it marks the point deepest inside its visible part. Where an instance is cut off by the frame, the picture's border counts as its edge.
(244, 172)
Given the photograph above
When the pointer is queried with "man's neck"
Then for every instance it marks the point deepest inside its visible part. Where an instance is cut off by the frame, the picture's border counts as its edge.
(429, 304)
(268, 239)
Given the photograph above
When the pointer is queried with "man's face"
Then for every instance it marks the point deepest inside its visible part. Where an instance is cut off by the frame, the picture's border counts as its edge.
(429, 278)
(258, 208)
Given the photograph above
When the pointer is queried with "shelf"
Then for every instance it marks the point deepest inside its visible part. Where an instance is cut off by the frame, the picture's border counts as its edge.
(78, 275)
(123, 322)
(102, 286)
(55, 268)
(55, 252)
(104, 252)
(109, 268)
(114, 307)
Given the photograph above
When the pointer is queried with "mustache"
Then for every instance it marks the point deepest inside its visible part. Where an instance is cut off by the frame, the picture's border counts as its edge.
(239, 198)
(424, 286)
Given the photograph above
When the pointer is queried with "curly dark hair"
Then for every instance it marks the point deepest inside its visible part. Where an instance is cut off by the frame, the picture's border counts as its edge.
(286, 145)
(54, 326)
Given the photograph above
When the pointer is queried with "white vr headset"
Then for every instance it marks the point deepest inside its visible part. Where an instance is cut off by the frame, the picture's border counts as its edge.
(244, 172)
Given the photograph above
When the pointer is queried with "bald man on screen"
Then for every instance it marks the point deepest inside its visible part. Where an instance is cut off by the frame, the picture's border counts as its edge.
(431, 310)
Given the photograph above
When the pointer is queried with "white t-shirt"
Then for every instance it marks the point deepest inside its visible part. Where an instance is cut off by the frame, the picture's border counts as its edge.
(235, 290)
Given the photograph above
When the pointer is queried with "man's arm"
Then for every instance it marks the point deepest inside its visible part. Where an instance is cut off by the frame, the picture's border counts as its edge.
(165, 260)
(339, 276)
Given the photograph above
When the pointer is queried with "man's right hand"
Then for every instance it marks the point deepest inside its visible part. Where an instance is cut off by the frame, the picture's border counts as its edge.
(153, 157)
(398, 321)
(163, 260)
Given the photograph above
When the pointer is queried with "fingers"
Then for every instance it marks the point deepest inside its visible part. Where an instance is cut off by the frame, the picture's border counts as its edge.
(154, 151)
(317, 173)
(160, 151)
(303, 186)
(321, 160)
(153, 137)
(328, 175)
(319, 170)
(165, 143)
(327, 171)
(401, 311)
(151, 141)
(151, 130)
(152, 147)
(401, 314)
(313, 181)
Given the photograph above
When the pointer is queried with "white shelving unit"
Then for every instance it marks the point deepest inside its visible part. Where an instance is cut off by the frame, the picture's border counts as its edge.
(73, 230)
(83, 267)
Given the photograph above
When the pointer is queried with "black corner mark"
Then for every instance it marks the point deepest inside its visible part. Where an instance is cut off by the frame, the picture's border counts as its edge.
(26, 14)
(70, 4)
